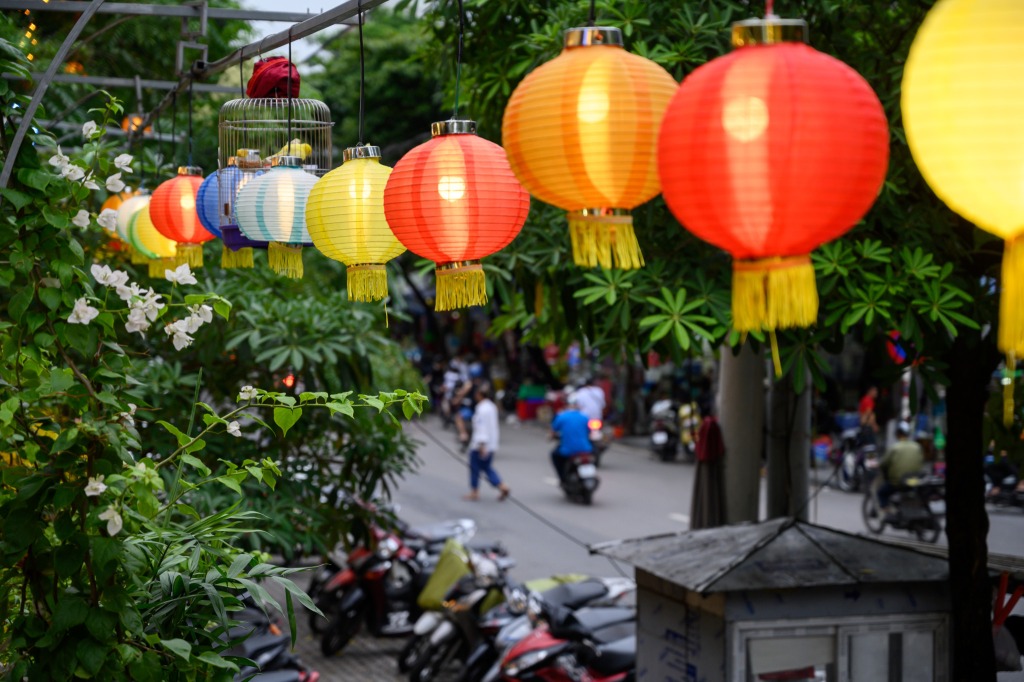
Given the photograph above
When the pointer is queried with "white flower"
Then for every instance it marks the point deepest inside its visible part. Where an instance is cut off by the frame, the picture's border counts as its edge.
(178, 331)
(89, 183)
(81, 218)
(107, 219)
(127, 292)
(137, 321)
(113, 519)
(151, 304)
(88, 130)
(72, 172)
(180, 275)
(114, 183)
(129, 416)
(234, 430)
(107, 277)
(247, 393)
(95, 487)
(200, 314)
(123, 162)
(58, 160)
(83, 313)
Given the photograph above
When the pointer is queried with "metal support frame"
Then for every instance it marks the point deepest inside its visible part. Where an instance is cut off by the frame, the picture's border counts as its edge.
(137, 83)
(184, 10)
(41, 87)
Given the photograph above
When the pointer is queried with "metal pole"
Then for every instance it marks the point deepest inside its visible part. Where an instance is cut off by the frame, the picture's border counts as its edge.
(144, 10)
(112, 82)
(41, 87)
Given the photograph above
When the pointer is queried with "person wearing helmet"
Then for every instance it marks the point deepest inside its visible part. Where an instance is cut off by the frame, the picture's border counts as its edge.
(904, 457)
(572, 429)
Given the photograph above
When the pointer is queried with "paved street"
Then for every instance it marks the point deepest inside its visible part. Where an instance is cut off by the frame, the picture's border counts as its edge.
(638, 496)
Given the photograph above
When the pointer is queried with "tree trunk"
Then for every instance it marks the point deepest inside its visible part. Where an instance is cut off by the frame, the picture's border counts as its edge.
(741, 416)
(789, 449)
(971, 362)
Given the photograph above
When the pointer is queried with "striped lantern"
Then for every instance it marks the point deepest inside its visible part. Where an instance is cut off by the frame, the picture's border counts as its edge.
(173, 212)
(272, 208)
(160, 252)
(125, 212)
(345, 217)
(208, 203)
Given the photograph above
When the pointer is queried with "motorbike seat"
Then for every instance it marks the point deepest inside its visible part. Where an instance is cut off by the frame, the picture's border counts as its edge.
(439, 532)
(614, 657)
(583, 623)
(279, 676)
(575, 595)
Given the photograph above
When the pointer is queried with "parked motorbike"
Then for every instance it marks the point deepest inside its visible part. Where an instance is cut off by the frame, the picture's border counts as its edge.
(664, 441)
(920, 505)
(1009, 495)
(852, 461)
(581, 478)
(261, 641)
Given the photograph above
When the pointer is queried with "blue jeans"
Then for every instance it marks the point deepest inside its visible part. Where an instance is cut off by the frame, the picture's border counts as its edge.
(482, 464)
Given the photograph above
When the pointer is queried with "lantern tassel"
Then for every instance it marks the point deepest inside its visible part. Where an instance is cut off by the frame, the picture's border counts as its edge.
(285, 259)
(460, 286)
(367, 282)
(242, 258)
(191, 254)
(605, 238)
(138, 258)
(774, 293)
(1008, 381)
(1011, 318)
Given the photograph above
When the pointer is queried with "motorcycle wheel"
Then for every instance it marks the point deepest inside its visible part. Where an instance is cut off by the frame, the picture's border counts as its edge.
(340, 631)
(929, 529)
(480, 667)
(667, 453)
(874, 519)
(415, 649)
(586, 496)
(429, 666)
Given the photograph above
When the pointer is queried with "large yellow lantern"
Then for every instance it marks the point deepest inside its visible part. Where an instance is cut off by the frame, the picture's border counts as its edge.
(345, 218)
(963, 108)
(160, 251)
(581, 133)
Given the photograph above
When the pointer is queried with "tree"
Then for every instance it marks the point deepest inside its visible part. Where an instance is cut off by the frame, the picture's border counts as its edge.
(911, 265)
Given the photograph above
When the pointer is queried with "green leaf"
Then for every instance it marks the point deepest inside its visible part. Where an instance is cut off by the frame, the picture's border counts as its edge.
(19, 303)
(196, 464)
(230, 482)
(222, 308)
(286, 417)
(18, 199)
(174, 431)
(217, 661)
(240, 563)
(344, 408)
(178, 647)
(70, 611)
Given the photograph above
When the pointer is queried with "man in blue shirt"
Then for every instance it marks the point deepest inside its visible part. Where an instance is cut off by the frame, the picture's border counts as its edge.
(573, 431)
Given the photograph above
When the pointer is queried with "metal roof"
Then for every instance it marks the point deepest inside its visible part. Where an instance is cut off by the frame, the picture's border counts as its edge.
(776, 554)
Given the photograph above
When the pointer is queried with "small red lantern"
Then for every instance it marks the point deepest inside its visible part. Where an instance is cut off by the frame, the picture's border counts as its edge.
(455, 200)
(173, 212)
(768, 152)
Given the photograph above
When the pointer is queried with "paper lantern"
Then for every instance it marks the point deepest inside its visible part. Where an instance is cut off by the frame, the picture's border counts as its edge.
(581, 133)
(768, 152)
(345, 217)
(173, 211)
(962, 111)
(161, 253)
(454, 200)
(114, 201)
(208, 202)
(272, 208)
(125, 212)
(238, 249)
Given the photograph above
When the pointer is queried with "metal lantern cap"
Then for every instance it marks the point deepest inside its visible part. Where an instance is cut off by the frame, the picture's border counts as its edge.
(588, 36)
(288, 161)
(190, 170)
(453, 127)
(363, 151)
(769, 30)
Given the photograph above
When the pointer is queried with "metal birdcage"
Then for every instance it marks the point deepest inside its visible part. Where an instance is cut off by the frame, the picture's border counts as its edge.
(277, 127)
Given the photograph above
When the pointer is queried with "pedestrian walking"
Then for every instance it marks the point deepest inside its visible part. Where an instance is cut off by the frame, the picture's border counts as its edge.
(484, 445)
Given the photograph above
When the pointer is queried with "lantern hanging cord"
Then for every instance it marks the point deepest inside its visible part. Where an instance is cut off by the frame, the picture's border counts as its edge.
(769, 8)
(362, 72)
(189, 121)
(458, 58)
(241, 87)
(288, 144)
(592, 19)
(174, 129)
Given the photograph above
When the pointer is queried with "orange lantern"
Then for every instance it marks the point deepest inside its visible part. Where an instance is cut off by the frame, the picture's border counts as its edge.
(581, 133)
(768, 152)
(454, 200)
(132, 122)
(174, 214)
(114, 201)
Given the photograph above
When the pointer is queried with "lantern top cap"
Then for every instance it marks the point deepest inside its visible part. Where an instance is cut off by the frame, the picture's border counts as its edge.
(588, 36)
(190, 170)
(362, 151)
(287, 162)
(453, 127)
(232, 160)
(769, 30)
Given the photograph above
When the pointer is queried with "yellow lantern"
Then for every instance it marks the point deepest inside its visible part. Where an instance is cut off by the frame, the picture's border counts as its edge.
(345, 218)
(161, 251)
(962, 109)
(581, 133)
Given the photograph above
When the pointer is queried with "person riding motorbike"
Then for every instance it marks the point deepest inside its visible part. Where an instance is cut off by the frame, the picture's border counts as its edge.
(590, 399)
(573, 431)
(904, 457)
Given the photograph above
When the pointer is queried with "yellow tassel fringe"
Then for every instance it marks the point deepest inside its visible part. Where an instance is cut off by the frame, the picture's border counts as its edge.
(1011, 318)
(242, 258)
(285, 260)
(138, 258)
(604, 240)
(368, 282)
(191, 254)
(157, 266)
(774, 293)
(1008, 385)
(460, 287)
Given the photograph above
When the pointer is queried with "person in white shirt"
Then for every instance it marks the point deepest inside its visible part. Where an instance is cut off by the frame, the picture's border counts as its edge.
(590, 400)
(484, 445)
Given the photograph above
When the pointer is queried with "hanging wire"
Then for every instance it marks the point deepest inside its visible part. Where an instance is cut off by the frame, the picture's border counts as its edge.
(769, 7)
(189, 121)
(174, 127)
(362, 72)
(458, 58)
(288, 142)
(592, 19)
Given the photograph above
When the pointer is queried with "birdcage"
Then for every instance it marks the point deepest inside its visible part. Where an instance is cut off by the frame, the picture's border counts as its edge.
(277, 127)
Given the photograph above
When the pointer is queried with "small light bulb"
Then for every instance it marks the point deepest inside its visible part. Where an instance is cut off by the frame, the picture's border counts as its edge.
(451, 188)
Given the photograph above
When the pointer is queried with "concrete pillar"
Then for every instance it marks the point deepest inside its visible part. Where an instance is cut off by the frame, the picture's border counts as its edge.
(741, 415)
(789, 449)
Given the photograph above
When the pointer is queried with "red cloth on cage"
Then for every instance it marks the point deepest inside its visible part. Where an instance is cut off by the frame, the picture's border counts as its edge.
(710, 446)
(270, 79)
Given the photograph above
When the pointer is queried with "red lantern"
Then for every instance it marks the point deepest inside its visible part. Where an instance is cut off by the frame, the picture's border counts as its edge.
(768, 152)
(455, 200)
(173, 212)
